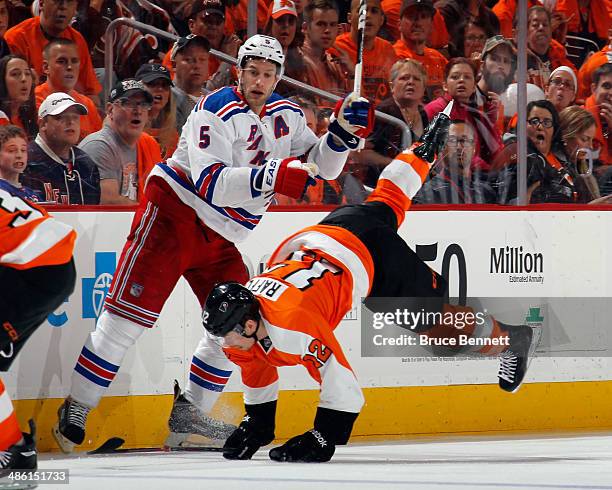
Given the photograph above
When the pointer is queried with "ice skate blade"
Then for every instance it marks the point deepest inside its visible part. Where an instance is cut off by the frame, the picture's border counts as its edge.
(65, 444)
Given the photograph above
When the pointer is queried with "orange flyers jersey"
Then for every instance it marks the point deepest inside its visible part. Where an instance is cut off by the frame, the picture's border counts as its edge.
(377, 63)
(29, 237)
(303, 298)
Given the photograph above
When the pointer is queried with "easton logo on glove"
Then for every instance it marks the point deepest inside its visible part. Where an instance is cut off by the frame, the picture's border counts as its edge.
(289, 177)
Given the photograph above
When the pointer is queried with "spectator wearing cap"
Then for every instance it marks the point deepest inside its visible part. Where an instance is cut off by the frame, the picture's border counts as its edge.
(561, 89)
(320, 29)
(207, 19)
(29, 37)
(123, 152)
(282, 25)
(590, 65)
(190, 57)
(378, 54)
(600, 105)
(437, 39)
(496, 74)
(17, 104)
(416, 21)
(57, 169)
(162, 117)
(545, 54)
(61, 67)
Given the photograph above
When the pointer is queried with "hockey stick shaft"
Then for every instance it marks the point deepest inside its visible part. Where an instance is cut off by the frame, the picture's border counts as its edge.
(363, 9)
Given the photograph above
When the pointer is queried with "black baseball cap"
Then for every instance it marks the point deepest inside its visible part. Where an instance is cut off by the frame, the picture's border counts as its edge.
(149, 72)
(425, 4)
(127, 88)
(183, 42)
(208, 6)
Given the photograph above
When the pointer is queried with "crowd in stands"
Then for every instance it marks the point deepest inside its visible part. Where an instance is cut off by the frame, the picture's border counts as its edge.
(418, 56)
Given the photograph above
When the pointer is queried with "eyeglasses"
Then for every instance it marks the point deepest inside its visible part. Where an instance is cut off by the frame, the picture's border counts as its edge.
(132, 104)
(536, 121)
(460, 140)
(559, 82)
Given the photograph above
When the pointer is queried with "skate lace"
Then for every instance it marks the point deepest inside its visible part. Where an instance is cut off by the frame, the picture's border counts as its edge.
(77, 414)
(507, 366)
(5, 459)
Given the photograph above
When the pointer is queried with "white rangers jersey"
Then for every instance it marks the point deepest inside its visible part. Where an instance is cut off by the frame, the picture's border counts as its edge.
(223, 145)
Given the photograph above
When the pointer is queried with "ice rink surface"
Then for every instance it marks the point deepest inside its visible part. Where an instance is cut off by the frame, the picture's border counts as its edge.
(560, 462)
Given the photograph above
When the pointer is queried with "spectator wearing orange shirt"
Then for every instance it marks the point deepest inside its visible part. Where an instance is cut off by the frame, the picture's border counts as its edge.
(588, 22)
(17, 104)
(29, 37)
(416, 21)
(320, 30)
(378, 54)
(600, 105)
(545, 54)
(590, 65)
(438, 38)
(61, 64)
(505, 10)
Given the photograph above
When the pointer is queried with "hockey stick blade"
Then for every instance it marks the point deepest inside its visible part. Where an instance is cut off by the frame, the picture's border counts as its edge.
(109, 446)
(113, 446)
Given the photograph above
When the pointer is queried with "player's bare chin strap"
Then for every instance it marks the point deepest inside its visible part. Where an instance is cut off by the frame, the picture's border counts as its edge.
(106, 346)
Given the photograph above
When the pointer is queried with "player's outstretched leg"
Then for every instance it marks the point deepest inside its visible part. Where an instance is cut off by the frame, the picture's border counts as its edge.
(514, 361)
(96, 368)
(187, 419)
(19, 456)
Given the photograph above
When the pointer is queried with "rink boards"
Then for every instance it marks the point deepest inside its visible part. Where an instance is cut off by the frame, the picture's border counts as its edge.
(486, 253)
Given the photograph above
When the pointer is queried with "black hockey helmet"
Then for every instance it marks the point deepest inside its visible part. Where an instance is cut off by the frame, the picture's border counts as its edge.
(228, 306)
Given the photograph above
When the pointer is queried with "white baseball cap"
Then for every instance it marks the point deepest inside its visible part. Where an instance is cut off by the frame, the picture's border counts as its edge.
(58, 102)
(278, 8)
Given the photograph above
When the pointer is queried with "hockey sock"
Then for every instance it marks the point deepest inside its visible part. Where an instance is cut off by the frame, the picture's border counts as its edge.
(399, 182)
(210, 370)
(10, 433)
(101, 357)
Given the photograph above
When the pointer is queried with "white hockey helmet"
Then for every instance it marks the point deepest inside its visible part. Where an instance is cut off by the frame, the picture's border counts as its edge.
(265, 47)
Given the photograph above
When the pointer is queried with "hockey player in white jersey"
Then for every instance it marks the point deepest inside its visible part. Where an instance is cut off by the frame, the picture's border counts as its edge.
(237, 149)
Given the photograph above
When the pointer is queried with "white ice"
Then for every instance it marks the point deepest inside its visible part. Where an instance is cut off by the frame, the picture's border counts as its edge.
(581, 462)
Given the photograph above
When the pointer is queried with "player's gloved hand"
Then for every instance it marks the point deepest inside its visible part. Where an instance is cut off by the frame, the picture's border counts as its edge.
(433, 139)
(288, 176)
(255, 430)
(331, 428)
(352, 120)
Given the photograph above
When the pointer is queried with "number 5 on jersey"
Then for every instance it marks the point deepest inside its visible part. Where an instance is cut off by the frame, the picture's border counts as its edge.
(204, 137)
(319, 354)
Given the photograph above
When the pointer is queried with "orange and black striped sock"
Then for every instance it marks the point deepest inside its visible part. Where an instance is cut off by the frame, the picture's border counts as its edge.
(9, 428)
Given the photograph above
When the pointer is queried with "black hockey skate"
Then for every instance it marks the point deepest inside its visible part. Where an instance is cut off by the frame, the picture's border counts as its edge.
(69, 431)
(186, 419)
(514, 361)
(19, 457)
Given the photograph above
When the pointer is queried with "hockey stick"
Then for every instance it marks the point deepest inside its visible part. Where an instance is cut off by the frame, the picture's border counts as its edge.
(113, 446)
(363, 9)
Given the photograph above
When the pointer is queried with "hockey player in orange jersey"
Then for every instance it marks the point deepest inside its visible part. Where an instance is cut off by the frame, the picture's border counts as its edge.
(36, 275)
(287, 315)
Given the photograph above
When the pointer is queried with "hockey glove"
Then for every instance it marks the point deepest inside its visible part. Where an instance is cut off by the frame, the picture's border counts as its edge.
(289, 177)
(255, 430)
(331, 428)
(352, 120)
(434, 138)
